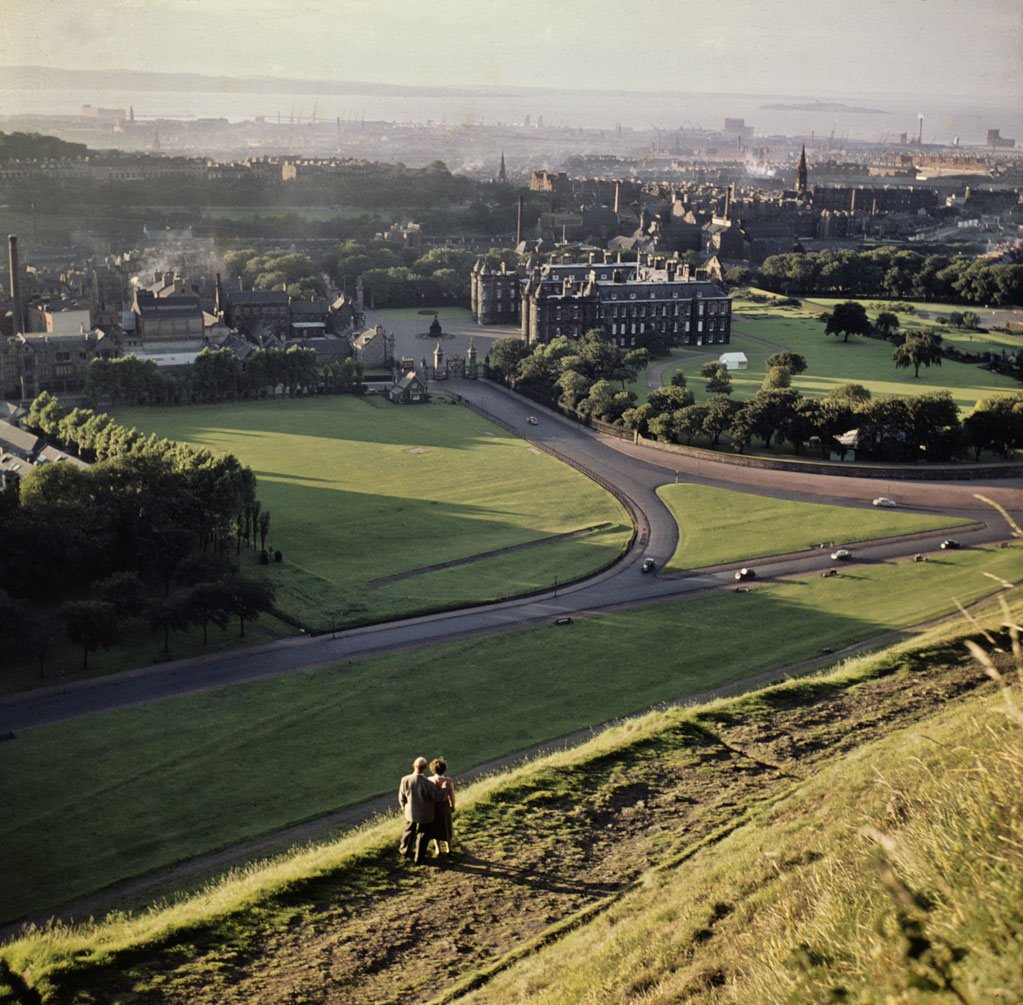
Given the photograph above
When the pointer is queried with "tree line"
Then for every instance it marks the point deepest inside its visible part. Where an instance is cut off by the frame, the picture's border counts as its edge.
(219, 375)
(150, 532)
(588, 377)
(893, 273)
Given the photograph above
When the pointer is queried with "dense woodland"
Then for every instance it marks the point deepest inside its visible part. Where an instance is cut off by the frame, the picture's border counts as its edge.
(149, 534)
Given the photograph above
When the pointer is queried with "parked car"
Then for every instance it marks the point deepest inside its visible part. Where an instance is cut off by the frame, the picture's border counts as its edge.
(884, 501)
(828, 573)
(842, 555)
(533, 420)
(746, 574)
(648, 565)
(949, 544)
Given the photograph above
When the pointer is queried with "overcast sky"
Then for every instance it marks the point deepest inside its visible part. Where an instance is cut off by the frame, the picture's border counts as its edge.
(813, 47)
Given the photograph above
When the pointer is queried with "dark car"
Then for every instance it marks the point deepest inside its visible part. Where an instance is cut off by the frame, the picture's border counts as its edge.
(949, 544)
(743, 574)
(648, 565)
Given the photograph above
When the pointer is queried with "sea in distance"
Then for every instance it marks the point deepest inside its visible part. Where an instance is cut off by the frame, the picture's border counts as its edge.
(873, 117)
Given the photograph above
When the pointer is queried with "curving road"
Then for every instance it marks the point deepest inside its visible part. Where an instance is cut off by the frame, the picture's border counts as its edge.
(635, 472)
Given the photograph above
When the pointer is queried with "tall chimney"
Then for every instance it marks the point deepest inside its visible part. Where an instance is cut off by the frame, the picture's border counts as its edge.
(518, 223)
(618, 195)
(19, 321)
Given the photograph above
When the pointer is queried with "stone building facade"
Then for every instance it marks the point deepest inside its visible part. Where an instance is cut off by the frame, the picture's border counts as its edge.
(659, 303)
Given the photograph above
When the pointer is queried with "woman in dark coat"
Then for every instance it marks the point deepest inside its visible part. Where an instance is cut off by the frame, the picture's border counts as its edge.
(442, 818)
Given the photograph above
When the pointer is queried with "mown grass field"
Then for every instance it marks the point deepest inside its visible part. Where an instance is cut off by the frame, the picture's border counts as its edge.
(360, 490)
(92, 801)
(933, 317)
(832, 362)
(719, 525)
(766, 845)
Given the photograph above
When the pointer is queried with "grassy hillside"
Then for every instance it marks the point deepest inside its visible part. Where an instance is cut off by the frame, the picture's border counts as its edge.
(854, 833)
(96, 800)
(367, 499)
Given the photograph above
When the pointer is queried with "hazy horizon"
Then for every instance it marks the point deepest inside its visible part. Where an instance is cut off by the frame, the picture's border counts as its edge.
(829, 49)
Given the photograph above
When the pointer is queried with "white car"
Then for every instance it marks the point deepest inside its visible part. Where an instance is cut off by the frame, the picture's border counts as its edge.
(884, 501)
(842, 555)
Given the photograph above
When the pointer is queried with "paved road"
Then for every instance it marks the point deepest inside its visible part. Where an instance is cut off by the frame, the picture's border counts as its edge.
(636, 472)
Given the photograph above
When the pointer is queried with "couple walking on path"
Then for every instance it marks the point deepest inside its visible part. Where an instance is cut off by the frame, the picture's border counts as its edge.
(427, 804)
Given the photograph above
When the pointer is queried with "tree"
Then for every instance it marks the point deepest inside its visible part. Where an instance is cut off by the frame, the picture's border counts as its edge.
(689, 421)
(720, 411)
(169, 614)
(848, 319)
(850, 395)
(208, 602)
(919, 349)
(995, 424)
(971, 320)
(506, 354)
(769, 411)
(678, 379)
(739, 276)
(669, 399)
(248, 598)
(792, 361)
(887, 324)
(263, 522)
(124, 591)
(717, 377)
(777, 378)
(92, 624)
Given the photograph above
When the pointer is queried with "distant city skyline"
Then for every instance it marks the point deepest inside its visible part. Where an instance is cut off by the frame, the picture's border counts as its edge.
(828, 48)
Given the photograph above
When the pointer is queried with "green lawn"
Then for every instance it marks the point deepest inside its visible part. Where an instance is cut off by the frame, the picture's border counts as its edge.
(832, 362)
(719, 525)
(360, 489)
(92, 801)
(935, 319)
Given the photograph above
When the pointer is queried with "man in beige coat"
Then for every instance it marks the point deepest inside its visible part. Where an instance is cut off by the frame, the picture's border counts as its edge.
(417, 798)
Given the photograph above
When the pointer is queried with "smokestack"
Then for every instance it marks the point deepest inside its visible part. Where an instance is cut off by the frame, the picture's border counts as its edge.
(920, 132)
(12, 244)
(618, 195)
(518, 223)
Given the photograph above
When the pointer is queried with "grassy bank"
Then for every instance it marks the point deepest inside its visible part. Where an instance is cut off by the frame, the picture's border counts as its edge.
(711, 850)
(96, 800)
(360, 490)
(718, 525)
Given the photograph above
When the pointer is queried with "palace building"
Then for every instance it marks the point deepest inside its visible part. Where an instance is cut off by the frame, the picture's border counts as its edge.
(658, 304)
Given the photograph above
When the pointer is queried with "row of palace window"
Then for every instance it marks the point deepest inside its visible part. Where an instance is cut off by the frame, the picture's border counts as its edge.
(627, 328)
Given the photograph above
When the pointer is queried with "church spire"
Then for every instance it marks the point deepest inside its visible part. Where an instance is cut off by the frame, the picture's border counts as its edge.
(801, 173)
(501, 175)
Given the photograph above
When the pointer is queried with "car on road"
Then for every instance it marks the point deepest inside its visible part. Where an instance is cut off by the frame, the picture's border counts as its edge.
(842, 555)
(648, 565)
(533, 420)
(744, 573)
(949, 544)
(884, 501)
